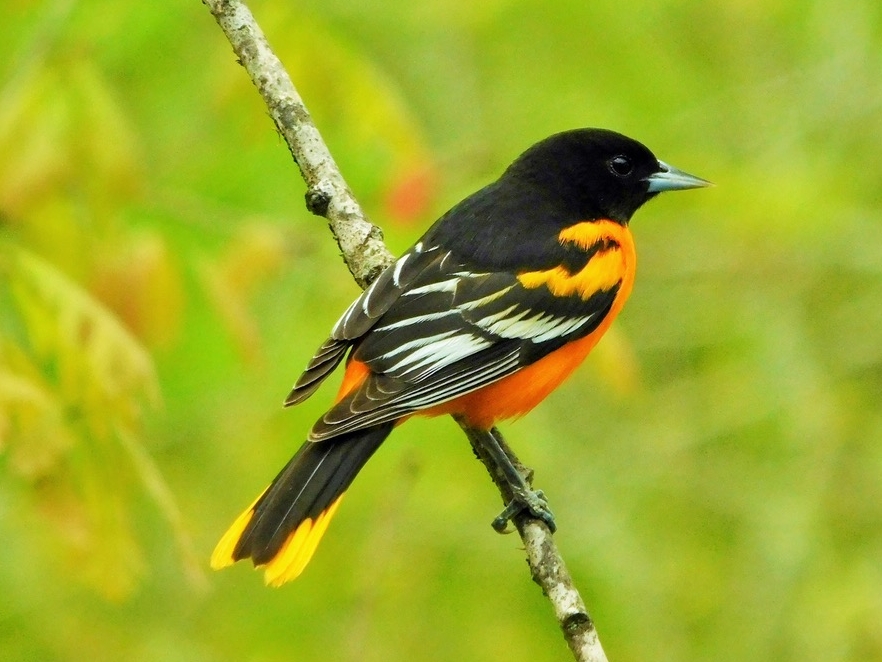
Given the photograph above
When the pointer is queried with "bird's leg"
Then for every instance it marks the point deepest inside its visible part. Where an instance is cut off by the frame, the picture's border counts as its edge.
(524, 497)
(512, 477)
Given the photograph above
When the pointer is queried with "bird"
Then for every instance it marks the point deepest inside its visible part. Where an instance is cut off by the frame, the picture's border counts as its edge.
(482, 318)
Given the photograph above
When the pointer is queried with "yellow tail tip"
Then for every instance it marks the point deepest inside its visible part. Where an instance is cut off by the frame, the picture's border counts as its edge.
(292, 557)
(222, 556)
(298, 549)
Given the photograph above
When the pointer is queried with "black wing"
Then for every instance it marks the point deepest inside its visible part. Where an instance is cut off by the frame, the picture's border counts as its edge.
(361, 315)
(450, 331)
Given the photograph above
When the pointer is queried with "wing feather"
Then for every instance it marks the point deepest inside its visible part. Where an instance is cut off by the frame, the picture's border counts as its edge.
(322, 364)
(430, 330)
(361, 315)
(451, 333)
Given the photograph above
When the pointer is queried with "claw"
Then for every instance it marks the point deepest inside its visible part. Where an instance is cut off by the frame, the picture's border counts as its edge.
(532, 501)
(500, 524)
(517, 479)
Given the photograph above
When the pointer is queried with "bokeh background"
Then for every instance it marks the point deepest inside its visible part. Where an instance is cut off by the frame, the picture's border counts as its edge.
(715, 468)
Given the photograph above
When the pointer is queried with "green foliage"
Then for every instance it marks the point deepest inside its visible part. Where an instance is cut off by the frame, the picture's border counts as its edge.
(73, 383)
(715, 469)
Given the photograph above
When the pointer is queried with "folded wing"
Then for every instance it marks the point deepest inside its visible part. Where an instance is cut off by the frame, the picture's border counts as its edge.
(450, 331)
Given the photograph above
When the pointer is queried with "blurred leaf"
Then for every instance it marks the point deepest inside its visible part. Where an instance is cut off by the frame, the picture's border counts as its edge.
(70, 161)
(33, 123)
(410, 194)
(158, 489)
(255, 255)
(72, 385)
(30, 415)
(87, 507)
(140, 281)
(62, 127)
(82, 343)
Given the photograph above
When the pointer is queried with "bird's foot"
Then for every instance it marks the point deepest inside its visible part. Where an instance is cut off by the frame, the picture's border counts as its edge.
(531, 501)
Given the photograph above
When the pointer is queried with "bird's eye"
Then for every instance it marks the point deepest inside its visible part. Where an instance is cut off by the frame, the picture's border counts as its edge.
(620, 165)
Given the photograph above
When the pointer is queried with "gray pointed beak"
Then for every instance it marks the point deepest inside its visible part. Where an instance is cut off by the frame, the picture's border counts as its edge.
(668, 178)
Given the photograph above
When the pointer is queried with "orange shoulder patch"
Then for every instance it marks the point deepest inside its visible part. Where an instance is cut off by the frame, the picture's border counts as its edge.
(612, 264)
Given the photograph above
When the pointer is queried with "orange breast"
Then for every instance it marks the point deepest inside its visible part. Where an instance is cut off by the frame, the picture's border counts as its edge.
(517, 394)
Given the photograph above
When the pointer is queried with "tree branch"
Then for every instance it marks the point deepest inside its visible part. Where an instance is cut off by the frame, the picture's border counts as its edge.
(546, 563)
(327, 193)
(366, 255)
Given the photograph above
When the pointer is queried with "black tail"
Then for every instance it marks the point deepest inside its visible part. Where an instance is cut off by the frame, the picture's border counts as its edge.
(282, 528)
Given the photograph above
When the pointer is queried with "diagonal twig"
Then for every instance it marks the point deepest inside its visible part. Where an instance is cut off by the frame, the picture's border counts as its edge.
(546, 563)
(364, 252)
(327, 193)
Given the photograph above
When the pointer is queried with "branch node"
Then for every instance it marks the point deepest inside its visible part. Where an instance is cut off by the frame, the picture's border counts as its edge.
(574, 622)
(318, 198)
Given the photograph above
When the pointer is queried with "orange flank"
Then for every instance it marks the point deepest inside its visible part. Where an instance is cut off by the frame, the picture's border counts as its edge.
(517, 394)
(356, 373)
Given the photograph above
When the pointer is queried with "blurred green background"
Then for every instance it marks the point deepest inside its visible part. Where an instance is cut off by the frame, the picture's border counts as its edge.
(715, 468)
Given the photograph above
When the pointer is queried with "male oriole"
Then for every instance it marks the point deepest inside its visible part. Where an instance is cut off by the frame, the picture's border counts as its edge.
(482, 318)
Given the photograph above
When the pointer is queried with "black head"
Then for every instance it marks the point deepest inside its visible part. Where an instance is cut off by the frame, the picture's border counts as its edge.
(597, 173)
(571, 177)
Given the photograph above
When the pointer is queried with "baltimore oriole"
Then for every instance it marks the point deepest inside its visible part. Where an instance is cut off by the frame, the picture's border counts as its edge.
(482, 318)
